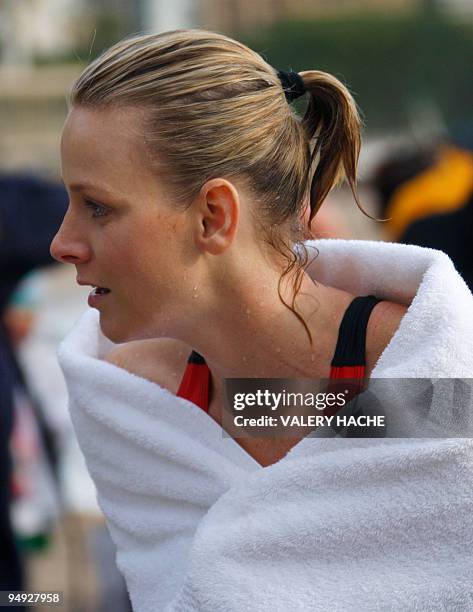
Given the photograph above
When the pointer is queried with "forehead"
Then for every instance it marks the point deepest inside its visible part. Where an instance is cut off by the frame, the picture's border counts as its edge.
(104, 144)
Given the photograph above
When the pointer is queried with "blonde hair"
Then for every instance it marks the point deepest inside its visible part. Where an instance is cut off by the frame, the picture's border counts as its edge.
(216, 108)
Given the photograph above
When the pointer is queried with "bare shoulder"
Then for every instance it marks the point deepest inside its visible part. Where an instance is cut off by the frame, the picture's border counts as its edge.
(383, 323)
(160, 360)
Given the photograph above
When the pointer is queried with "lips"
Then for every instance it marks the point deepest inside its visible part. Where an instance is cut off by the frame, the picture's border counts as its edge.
(101, 290)
(98, 290)
(97, 296)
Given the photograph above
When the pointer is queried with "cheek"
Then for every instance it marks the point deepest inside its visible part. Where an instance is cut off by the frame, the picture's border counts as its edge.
(145, 257)
(163, 240)
(150, 259)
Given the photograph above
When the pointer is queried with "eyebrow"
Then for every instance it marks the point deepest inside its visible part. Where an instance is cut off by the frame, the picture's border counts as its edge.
(85, 186)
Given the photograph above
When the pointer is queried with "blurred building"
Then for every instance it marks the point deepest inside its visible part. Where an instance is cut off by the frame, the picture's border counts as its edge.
(32, 28)
(48, 30)
(44, 29)
(236, 15)
(233, 16)
(156, 15)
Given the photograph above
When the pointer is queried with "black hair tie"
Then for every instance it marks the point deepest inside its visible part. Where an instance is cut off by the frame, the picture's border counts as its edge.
(292, 84)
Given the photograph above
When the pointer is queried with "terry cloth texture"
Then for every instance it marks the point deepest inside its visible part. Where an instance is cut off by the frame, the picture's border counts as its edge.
(337, 524)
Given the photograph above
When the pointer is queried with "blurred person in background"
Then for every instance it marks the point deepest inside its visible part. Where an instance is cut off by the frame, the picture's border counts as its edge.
(191, 183)
(427, 196)
(31, 210)
(451, 233)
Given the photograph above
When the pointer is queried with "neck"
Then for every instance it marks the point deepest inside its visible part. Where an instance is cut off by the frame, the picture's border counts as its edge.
(251, 334)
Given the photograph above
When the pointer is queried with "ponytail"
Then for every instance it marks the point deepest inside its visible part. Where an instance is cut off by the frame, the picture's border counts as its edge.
(332, 124)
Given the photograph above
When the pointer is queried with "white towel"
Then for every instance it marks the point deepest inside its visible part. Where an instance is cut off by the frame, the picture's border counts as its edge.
(337, 524)
(346, 525)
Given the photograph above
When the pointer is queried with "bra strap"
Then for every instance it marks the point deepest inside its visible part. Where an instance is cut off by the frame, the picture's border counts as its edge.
(195, 383)
(351, 344)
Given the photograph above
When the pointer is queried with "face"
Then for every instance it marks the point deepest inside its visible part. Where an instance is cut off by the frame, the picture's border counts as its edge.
(121, 230)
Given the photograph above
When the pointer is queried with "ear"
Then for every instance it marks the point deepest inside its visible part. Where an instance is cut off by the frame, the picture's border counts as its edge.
(218, 215)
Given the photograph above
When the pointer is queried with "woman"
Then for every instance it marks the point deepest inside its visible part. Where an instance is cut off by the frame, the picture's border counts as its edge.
(192, 185)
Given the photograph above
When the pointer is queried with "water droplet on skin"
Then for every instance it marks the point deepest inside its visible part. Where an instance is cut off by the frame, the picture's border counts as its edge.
(312, 357)
(248, 311)
(244, 359)
(278, 349)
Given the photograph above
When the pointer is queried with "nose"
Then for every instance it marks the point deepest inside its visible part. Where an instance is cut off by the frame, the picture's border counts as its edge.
(68, 246)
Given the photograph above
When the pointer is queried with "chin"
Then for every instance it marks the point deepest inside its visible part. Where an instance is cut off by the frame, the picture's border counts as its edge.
(114, 331)
(120, 333)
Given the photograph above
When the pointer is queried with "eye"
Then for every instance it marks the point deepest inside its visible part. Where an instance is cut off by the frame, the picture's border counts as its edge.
(98, 210)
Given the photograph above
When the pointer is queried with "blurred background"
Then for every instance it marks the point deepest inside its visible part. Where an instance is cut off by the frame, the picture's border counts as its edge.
(409, 65)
